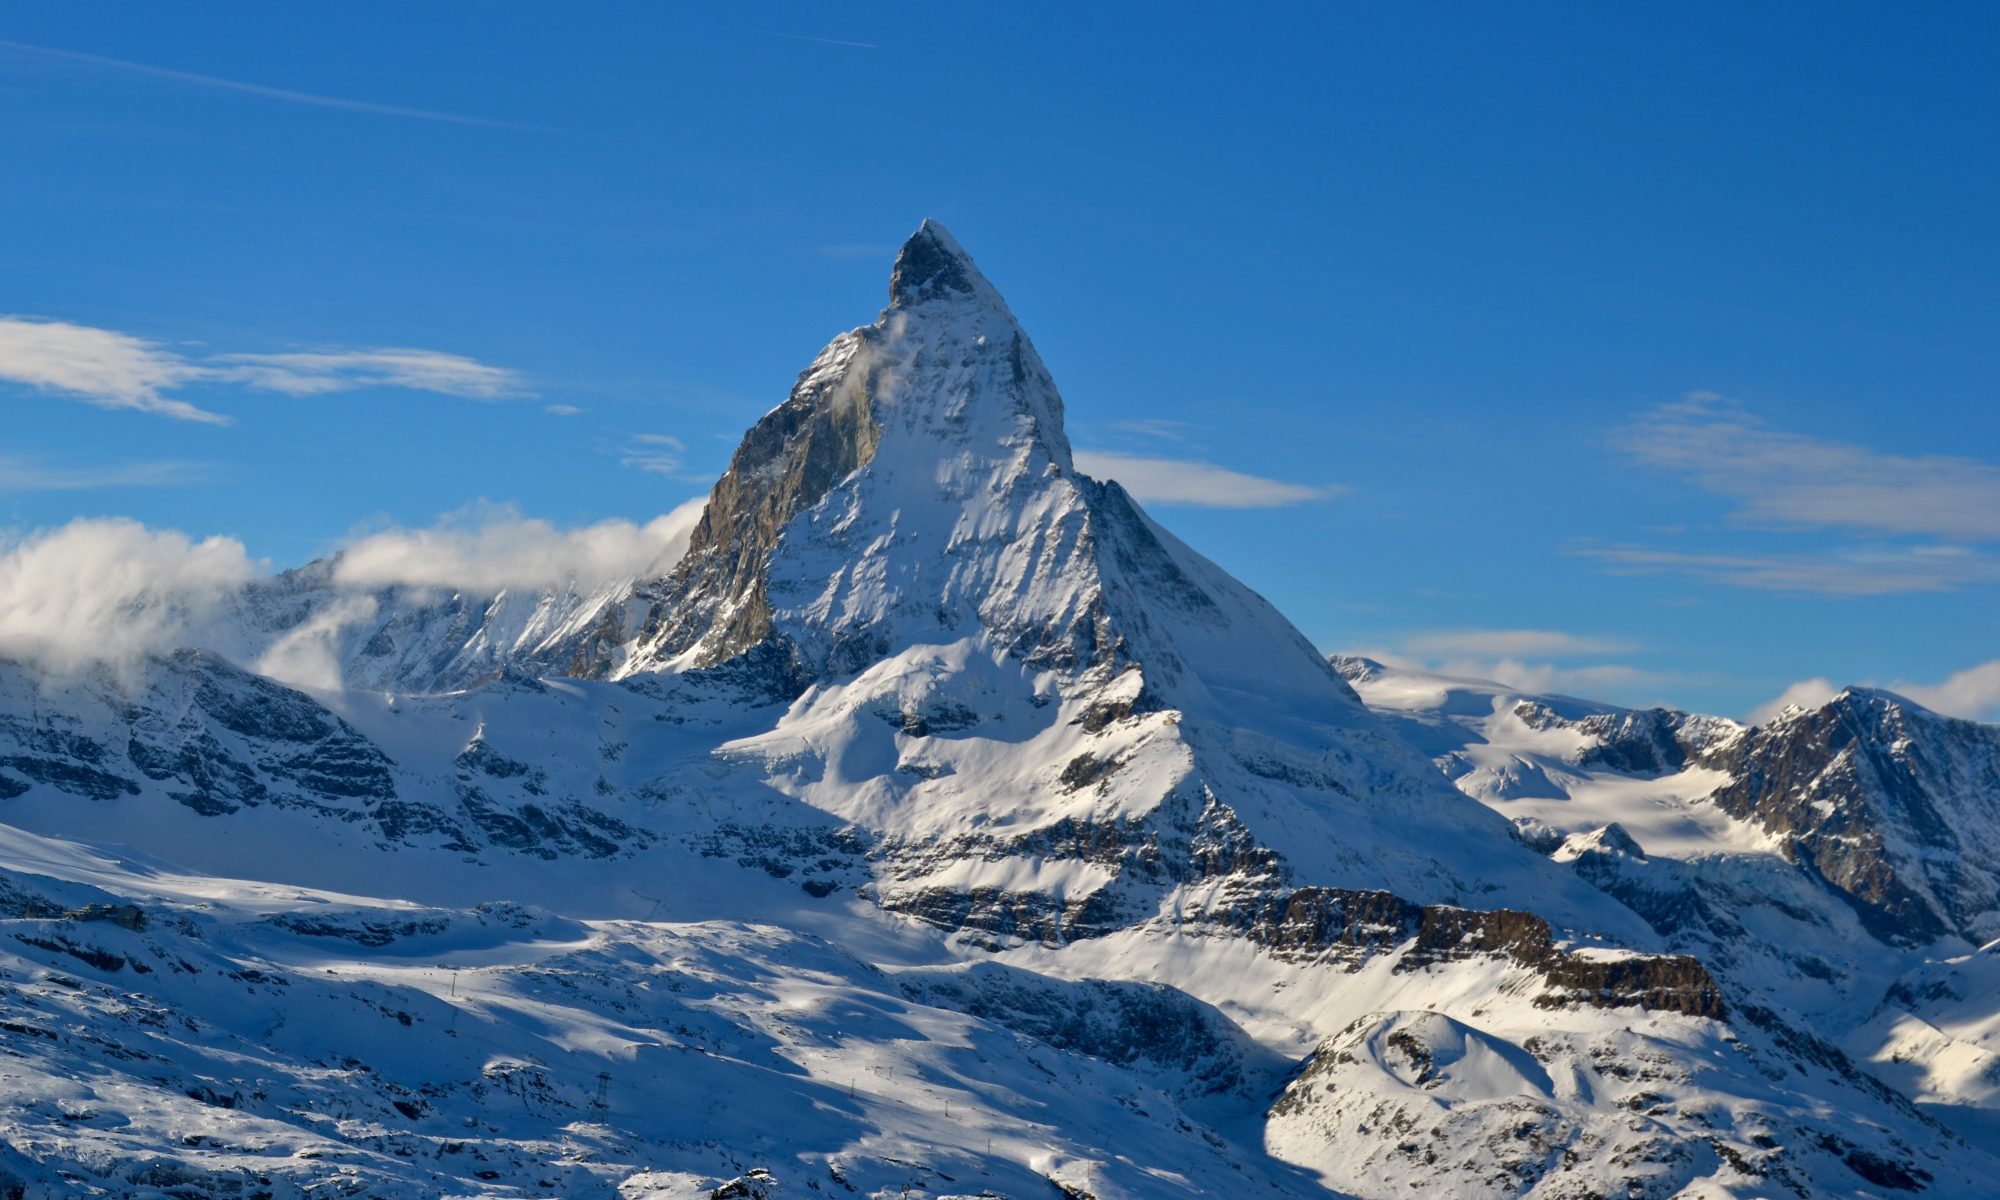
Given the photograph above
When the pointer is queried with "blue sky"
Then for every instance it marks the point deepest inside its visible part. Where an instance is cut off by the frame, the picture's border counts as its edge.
(1645, 354)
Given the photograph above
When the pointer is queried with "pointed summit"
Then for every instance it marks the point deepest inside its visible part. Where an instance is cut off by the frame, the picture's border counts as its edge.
(932, 264)
(917, 489)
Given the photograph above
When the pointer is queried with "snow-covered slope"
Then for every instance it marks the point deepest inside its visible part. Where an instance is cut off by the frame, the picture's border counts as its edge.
(938, 825)
(1837, 862)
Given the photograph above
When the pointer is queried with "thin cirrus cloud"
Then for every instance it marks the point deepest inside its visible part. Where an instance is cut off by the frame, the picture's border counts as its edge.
(263, 91)
(118, 370)
(1537, 643)
(1923, 515)
(1194, 483)
(1528, 660)
(654, 453)
(98, 366)
(29, 475)
(316, 372)
(1792, 481)
(1508, 657)
(826, 41)
(1878, 571)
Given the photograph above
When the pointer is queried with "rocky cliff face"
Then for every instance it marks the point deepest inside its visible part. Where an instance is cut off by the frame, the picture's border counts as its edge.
(1894, 806)
(939, 802)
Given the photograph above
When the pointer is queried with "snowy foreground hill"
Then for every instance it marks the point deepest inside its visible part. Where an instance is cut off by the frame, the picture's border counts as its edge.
(939, 825)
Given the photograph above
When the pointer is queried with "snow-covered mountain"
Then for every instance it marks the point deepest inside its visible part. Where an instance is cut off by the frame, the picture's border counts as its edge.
(937, 824)
(1838, 861)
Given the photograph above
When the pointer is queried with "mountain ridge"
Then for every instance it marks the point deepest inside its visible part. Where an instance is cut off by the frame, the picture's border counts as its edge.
(845, 856)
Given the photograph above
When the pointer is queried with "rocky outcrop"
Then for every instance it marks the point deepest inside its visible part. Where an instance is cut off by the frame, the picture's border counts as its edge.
(714, 607)
(1894, 807)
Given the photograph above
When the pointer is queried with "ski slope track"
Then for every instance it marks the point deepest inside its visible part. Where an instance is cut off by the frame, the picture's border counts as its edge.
(940, 825)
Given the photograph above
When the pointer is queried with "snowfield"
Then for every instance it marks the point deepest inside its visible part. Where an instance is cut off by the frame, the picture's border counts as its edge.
(940, 825)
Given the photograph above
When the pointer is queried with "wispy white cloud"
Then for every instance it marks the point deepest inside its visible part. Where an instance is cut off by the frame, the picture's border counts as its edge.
(1540, 643)
(121, 371)
(287, 95)
(656, 453)
(313, 373)
(1791, 480)
(308, 654)
(1599, 680)
(1868, 571)
(97, 366)
(562, 410)
(826, 41)
(1973, 693)
(1806, 693)
(27, 475)
(481, 549)
(1589, 680)
(113, 591)
(488, 548)
(1201, 484)
(1158, 429)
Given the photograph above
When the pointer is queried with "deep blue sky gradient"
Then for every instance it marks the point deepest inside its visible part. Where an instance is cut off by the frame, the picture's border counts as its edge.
(1438, 255)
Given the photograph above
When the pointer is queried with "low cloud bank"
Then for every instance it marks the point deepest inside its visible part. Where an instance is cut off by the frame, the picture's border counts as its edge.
(491, 549)
(1973, 694)
(113, 592)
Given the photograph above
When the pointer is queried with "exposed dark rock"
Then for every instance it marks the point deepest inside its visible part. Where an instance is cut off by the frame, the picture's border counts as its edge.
(1847, 785)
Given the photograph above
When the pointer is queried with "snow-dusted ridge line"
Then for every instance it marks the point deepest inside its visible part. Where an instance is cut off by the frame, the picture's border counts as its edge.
(938, 826)
(1835, 862)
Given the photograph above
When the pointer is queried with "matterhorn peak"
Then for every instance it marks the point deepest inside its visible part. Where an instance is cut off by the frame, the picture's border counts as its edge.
(917, 489)
(932, 264)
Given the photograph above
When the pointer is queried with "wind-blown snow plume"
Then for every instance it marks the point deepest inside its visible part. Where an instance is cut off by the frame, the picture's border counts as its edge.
(112, 591)
(1201, 484)
(490, 548)
(308, 655)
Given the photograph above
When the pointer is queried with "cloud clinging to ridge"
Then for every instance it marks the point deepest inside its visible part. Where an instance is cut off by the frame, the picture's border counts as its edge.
(112, 591)
(488, 548)
(1973, 693)
(1196, 483)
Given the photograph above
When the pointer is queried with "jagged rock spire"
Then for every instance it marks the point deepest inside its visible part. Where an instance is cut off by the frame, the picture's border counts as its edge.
(932, 264)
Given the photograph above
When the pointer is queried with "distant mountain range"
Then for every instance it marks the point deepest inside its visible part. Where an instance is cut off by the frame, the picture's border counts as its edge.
(938, 824)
